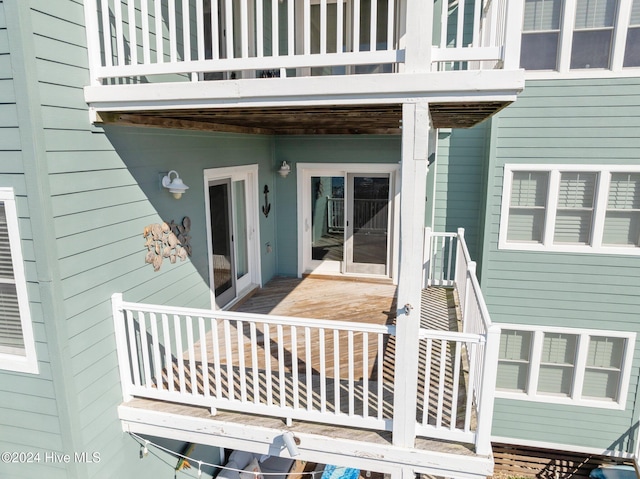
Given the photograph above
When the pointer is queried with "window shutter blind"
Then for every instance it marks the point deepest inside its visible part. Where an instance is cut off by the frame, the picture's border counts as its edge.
(604, 363)
(11, 339)
(622, 221)
(513, 364)
(527, 206)
(542, 15)
(595, 14)
(575, 208)
(557, 363)
(635, 13)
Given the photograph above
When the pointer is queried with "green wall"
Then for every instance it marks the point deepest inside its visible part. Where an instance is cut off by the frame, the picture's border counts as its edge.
(554, 122)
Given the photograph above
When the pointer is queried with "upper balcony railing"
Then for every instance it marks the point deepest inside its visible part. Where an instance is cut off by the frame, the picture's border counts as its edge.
(190, 40)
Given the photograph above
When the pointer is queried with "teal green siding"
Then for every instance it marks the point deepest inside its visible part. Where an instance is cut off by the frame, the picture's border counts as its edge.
(318, 149)
(28, 409)
(460, 167)
(555, 122)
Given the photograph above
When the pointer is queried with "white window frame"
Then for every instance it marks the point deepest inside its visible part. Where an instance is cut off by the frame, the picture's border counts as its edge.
(582, 349)
(15, 362)
(618, 45)
(600, 209)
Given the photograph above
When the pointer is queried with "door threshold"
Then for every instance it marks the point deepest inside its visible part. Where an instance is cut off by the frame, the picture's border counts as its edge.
(344, 277)
(242, 297)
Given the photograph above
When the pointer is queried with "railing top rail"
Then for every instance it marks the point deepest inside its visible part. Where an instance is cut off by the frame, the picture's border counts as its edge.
(465, 249)
(259, 318)
(486, 318)
(451, 336)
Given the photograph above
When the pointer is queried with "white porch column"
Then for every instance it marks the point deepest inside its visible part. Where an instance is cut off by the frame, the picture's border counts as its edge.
(415, 134)
(416, 27)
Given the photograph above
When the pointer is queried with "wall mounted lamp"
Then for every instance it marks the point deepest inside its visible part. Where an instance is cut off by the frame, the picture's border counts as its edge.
(291, 442)
(175, 186)
(285, 169)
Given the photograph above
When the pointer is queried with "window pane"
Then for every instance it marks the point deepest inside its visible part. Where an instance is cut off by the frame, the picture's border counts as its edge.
(557, 363)
(595, 14)
(575, 208)
(591, 49)
(622, 220)
(604, 364)
(6, 266)
(539, 51)
(527, 206)
(632, 49)
(541, 15)
(513, 364)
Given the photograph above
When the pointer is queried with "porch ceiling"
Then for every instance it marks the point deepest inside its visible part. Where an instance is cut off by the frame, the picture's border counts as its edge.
(382, 119)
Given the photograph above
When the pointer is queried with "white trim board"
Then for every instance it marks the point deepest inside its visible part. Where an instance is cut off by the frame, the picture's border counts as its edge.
(561, 447)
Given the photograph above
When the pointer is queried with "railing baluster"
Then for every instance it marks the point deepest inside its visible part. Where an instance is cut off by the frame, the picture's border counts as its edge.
(380, 367)
(390, 24)
(351, 365)
(190, 351)
(204, 361)
(254, 360)
(159, 31)
(336, 370)
(146, 49)
(456, 384)
(144, 344)
(323, 371)
(449, 258)
(442, 381)
(460, 25)
(356, 26)
(106, 33)
(281, 377)
(228, 23)
(339, 26)
(373, 34)
(323, 27)
(228, 349)
(215, 343)
(241, 361)
(179, 353)
(291, 33)
(267, 364)
(200, 29)
(259, 28)
(472, 383)
(294, 367)
(307, 26)
(133, 347)
(155, 342)
(444, 24)
(477, 23)
(244, 29)
(133, 35)
(186, 31)
(173, 32)
(168, 358)
(215, 34)
(308, 359)
(365, 373)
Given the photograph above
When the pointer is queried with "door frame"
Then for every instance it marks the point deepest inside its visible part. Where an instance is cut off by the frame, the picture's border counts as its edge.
(304, 173)
(248, 173)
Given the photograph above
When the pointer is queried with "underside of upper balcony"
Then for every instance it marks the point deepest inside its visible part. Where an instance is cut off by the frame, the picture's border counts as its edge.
(323, 65)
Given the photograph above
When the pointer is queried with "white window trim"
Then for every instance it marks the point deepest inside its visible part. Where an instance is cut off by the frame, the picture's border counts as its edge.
(618, 45)
(576, 398)
(13, 362)
(600, 209)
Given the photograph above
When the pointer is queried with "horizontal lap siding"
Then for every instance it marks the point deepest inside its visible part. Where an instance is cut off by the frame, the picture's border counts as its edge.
(460, 174)
(28, 411)
(554, 122)
(105, 186)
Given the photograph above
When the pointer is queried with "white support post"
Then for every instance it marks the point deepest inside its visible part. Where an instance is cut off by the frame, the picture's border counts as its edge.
(512, 34)
(488, 381)
(415, 134)
(121, 346)
(417, 37)
(426, 257)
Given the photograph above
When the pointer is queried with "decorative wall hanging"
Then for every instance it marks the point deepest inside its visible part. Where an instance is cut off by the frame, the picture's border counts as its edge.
(267, 206)
(167, 240)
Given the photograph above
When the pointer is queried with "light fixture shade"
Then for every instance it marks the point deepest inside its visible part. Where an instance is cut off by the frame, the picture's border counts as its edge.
(175, 186)
(285, 169)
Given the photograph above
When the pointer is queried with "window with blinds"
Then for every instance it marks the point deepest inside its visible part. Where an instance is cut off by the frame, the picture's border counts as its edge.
(564, 365)
(17, 347)
(575, 208)
(528, 206)
(581, 209)
(632, 48)
(541, 34)
(593, 33)
(622, 221)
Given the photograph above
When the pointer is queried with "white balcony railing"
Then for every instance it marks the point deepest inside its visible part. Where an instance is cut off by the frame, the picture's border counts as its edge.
(330, 372)
(225, 39)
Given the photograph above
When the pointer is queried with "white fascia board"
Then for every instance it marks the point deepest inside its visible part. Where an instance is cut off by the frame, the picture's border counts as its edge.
(383, 458)
(465, 86)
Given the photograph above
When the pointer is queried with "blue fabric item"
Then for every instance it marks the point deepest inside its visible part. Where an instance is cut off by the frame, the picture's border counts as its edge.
(335, 472)
(613, 472)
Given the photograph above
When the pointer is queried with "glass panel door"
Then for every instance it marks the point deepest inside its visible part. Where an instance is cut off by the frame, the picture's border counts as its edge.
(223, 261)
(367, 226)
(327, 218)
